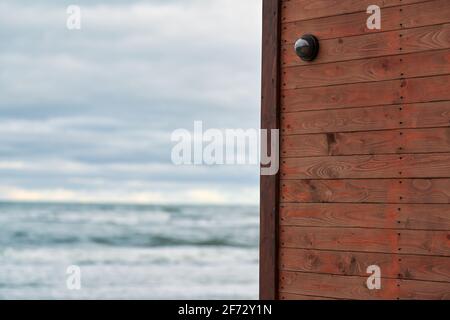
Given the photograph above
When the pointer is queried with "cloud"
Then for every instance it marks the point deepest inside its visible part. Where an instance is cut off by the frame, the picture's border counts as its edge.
(161, 57)
(84, 111)
(193, 196)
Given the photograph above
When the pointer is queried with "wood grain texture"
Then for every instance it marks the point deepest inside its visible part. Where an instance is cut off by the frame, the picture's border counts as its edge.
(421, 115)
(299, 297)
(368, 167)
(413, 191)
(393, 18)
(374, 45)
(398, 266)
(414, 90)
(269, 185)
(420, 242)
(348, 287)
(359, 215)
(344, 287)
(295, 10)
(371, 142)
(368, 70)
(365, 151)
(413, 290)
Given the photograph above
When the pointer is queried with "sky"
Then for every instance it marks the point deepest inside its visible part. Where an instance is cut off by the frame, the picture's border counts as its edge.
(87, 115)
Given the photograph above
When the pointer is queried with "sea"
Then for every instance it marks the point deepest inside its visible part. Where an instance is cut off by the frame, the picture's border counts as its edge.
(128, 251)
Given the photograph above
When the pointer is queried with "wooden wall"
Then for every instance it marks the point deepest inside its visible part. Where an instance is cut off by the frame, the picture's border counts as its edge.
(365, 151)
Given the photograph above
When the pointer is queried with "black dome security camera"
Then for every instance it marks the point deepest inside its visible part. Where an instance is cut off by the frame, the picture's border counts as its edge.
(307, 47)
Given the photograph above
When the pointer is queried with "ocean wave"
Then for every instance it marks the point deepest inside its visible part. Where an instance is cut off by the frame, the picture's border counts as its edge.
(167, 241)
(83, 225)
(131, 256)
(132, 251)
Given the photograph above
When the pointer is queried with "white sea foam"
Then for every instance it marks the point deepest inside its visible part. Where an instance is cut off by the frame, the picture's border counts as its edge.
(128, 252)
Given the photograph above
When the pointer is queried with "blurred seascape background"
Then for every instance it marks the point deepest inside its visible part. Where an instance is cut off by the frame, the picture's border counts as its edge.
(86, 176)
(129, 251)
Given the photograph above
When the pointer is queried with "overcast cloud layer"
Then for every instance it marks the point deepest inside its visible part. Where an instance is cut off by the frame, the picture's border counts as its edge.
(87, 115)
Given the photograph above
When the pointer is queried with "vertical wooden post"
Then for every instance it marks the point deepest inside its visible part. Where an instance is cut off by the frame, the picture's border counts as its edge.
(269, 120)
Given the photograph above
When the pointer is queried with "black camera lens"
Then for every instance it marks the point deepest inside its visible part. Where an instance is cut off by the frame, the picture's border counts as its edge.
(307, 47)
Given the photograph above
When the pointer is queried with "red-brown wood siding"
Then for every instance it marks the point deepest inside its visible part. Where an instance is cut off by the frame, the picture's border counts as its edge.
(365, 151)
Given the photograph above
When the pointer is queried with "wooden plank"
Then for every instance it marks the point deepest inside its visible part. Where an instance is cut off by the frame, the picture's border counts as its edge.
(398, 266)
(371, 142)
(299, 297)
(343, 287)
(413, 290)
(366, 191)
(304, 145)
(339, 26)
(393, 18)
(374, 45)
(422, 115)
(295, 10)
(344, 96)
(435, 165)
(368, 70)
(433, 243)
(358, 215)
(269, 185)
(348, 287)
(414, 90)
